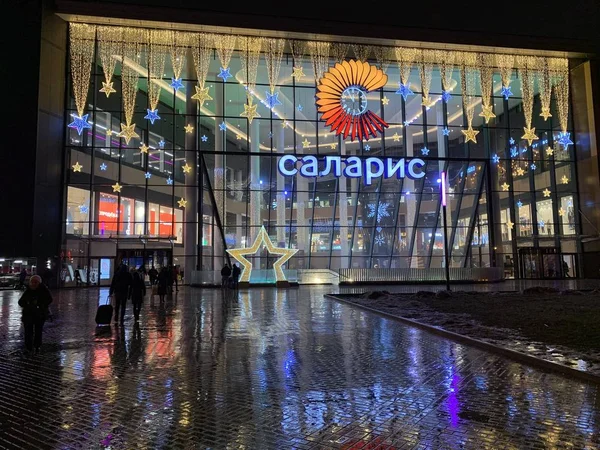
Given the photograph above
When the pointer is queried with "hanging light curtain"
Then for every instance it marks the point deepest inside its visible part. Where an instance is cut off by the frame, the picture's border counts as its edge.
(81, 51)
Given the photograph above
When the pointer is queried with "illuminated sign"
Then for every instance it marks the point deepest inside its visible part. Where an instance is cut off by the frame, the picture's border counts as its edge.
(342, 99)
(355, 167)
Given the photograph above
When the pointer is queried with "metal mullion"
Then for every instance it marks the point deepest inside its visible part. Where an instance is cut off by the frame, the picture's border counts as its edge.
(425, 145)
(354, 217)
(531, 176)
(91, 207)
(216, 219)
(437, 215)
(374, 228)
(335, 201)
(472, 222)
(312, 224)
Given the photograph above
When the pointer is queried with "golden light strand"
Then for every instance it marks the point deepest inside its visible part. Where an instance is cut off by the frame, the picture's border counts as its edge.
(156, 64)
(527, 64)
(133, 46)
(426, 71)
(505, 63)
(485, 64)
(297, 48)
(405, 58)
(339, 50)
(273, 57)
(467, 82)
(224, 43)
(82, 41)
(178, 42)
(382, 56)
(319, 54)
(545, 87)
(201, 53)
(110, 41)
(561, 89)
(361, 51)
(250, 48)
(445, 59)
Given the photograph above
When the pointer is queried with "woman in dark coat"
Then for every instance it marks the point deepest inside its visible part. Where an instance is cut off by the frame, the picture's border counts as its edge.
(137, 292)
(163, 283)
(35, 302)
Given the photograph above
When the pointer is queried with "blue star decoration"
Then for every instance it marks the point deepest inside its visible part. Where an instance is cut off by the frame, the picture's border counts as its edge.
(79, 123)
(542, 223)
(169, 181)
(514, 152)
(148, 175)
(222, 126)
(496, 158)
(299, 108)
(204, 138)
(367, 148)
(446, 96)
(270, 134)
(83, 209)
(519, 203)
(103, 167)
(446, 131)
(564, 139)
(176, 83)
(506, 92)
(224, 73)
(406, 123)
(379, 229)
(511, 141)
(404, 90)
(273, 99)
(161, 143)
(425, 151)
(533, 167)
(152, 115)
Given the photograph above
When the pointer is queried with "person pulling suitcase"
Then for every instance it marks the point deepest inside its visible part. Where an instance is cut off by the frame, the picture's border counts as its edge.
(120, 285)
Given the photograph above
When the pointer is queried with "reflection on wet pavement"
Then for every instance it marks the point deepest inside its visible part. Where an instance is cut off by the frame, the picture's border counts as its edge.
(271, 369)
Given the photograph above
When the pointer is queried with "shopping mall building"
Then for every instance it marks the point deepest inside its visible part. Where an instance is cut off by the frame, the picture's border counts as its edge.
(153, 133)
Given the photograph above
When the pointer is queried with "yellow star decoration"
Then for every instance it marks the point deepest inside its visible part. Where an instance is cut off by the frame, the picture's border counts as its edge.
(297, 72)
(505, 186)
(187, 168)
(520, 171)
(238, 136)
(561, 212)
(182, 202)
(427, 102)
(305, 143)
(144, 148)
(333, 145)
(128, 132)
(284, 124)
(201, 95)
(262, 238)
(509, 224)
(250, 112)
(77, 167)
(470, 134)
(188, 128)
(116, 187)
(487, 113)
(107, 88)
(546, 192)
(529, 135)
(549, 151)
(396, 137)
(109, 132)
(385, 100)
(564, 179)
(545, 113)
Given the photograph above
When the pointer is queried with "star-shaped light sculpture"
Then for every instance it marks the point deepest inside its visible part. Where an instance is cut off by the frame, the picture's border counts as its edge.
(262, 239)
(176, 83)
(333, 146)
(144, 148)
(511, 141)
(299, 108)
(272, 99)
(446, 132)
(250, 112)
(79, 123)
(506, 92)
(367, 148)
(487, 113)
(520, 172)
(161, 143)
(103, 167)
(495, 159)
(505, 187)
(529, 135)
(238, 137)
(222, 126)
(116, 187)
(148, 175)
(169, 181)
(546, 192)
(509, 224)
(107, 88)
(305, 143)
(406, 123)
(128, 132)
(561, 211)
(224, 74)
(187, 168)
(545, 113)
(385, 100)
(109, 132)
(204, 138)
(519, 203)
(549, 151)
(564, 139)
(201, 95)
(533, 166)
(470, 134)
(270, 134)
(284, 124)
(189, 129)
(396, 137)
(425, 151)
(297, 72)
(564, 180)
(83, 209)
(446, 95)
(404, 90)
(182, 202)
(514, 152)
(152, 115)
(77, 167)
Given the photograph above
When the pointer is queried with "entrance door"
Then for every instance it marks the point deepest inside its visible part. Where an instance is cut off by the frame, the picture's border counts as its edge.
(540, 263)
(101, 271)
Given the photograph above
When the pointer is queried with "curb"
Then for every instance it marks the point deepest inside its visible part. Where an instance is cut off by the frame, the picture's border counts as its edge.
(512, 354)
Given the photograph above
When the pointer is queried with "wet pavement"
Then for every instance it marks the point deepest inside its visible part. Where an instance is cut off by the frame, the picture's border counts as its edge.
(271, 369)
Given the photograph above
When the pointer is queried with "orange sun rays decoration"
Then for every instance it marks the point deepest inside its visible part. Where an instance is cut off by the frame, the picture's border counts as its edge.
(342, 99)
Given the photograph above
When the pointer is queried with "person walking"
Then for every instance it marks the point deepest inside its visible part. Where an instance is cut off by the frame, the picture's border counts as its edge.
(77, 278)
(153, 274)
(119, 286)
(137, 291)
(235, 274)
(225, 274)
(35, 302)
(22, 278)
(163, 283)
(176, 277)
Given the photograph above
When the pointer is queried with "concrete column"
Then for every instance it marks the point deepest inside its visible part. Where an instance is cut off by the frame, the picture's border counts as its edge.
(218, 183)
(190, 234)
(411, 199)
(343, 214)
(301, 222)
(280, 143)
(442, 153)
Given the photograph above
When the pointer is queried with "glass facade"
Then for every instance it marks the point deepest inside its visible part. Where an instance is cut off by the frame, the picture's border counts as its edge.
(505, 197)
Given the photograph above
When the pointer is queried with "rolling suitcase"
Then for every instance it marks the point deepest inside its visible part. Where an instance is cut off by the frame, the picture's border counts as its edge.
(104, 314)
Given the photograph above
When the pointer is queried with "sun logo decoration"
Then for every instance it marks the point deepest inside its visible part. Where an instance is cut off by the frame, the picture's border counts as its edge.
(342, 99)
